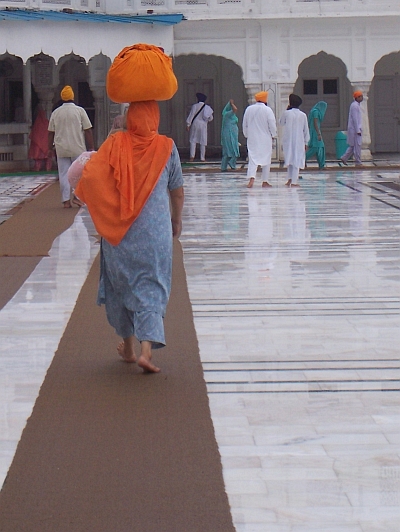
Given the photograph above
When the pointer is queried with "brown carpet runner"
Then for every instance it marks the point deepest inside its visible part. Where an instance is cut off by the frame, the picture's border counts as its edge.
(28, 236)
(109, 449)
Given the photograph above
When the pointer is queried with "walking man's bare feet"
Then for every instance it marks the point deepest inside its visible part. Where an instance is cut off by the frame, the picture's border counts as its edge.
(266, 184)
(288, 183)
(126, 350)
(144, 361)
(67, 204)
(250, 183)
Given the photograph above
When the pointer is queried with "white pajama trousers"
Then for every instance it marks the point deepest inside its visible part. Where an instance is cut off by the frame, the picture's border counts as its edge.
(293, 173)
(202, 151)
(252, 171)
(63, 164)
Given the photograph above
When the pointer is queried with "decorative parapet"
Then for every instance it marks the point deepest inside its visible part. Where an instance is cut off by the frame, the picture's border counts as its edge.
(221, 9)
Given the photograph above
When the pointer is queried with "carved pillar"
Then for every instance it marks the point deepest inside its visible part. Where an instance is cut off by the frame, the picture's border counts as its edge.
(44, 81)
(364, 86)
(98, 67)
(251, 90)
(101, 129)
(27, 92)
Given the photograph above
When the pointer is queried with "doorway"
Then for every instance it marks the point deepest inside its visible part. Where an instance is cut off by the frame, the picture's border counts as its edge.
(387, 113)
(193, 86)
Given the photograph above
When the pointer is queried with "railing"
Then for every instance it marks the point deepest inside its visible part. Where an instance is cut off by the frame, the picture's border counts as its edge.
(219, 8)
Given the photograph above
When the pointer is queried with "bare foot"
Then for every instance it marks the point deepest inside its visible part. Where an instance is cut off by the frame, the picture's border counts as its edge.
(266, 184)
(77, 201)
(67, 204)
(126, 350)
(144, 361)
(288, 183)
(250, 183)
(294, 185)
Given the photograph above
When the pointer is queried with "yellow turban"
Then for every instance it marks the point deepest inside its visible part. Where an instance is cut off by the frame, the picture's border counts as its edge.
(141, 72)
(67, 93)
(261, 97)
(357, 94)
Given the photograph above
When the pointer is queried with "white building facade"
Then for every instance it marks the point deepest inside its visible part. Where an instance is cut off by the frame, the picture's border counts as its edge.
(321, 50)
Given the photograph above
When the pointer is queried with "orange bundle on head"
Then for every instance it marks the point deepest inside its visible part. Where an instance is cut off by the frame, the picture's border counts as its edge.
(139, 73)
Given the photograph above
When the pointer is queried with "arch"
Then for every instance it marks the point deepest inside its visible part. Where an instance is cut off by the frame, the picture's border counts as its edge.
(324, 77)
(11, 88)
(220, 78)
(384, 105)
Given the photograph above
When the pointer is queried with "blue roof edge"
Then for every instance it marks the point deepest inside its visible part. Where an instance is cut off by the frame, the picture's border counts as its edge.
(166, 19)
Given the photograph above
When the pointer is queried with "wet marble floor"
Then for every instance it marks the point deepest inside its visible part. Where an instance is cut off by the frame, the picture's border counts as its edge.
(296, 301)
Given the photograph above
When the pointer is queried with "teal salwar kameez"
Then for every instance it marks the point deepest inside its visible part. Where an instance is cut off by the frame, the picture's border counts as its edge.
(316, 145)
(229, 138)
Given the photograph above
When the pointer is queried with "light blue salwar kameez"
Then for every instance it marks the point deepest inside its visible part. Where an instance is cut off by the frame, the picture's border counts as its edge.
(135, 275)
(316, 146)
(229, 138)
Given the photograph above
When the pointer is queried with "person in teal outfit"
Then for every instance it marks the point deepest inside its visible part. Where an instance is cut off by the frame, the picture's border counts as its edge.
(229, 136)
(316, 145)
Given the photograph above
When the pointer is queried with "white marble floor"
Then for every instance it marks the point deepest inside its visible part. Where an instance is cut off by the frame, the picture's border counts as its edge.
(296, 298)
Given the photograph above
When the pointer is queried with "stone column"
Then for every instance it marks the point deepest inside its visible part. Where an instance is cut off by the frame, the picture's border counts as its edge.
(45, 82)
(251, 90)
(26, 73)
(98, 67)
(364, 86)
(101, 128)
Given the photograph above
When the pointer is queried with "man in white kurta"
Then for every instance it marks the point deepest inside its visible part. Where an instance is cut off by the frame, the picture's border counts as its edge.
(196, 123)
(295, 139)
(354, 131)
(259, 127)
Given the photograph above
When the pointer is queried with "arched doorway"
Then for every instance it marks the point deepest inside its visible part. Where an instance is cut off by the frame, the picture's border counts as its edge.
(221, 79)
(14, 117)
(323, 77)
(384, 99)
(72, 70)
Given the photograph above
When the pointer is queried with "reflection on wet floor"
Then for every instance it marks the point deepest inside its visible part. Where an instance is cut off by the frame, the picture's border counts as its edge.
(296, 299)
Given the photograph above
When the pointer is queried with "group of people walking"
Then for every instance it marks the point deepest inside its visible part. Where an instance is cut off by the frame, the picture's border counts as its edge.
(302, 136)
(259, 127)
(133, 185)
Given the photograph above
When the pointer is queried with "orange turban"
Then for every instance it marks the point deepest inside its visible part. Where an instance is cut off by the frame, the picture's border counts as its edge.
(261, 97)
(67, 93)
(356, 94)
(121, 175)
(141, 72)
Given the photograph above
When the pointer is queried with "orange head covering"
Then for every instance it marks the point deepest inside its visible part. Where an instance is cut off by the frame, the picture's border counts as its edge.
(141, 72)
(356, 94)
(261, 96)
(67, 93)
(119, 178)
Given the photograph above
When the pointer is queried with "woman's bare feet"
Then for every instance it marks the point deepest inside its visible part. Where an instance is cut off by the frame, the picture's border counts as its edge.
(250, 183)
(77, 201)
(126, 350)
(144, 361)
